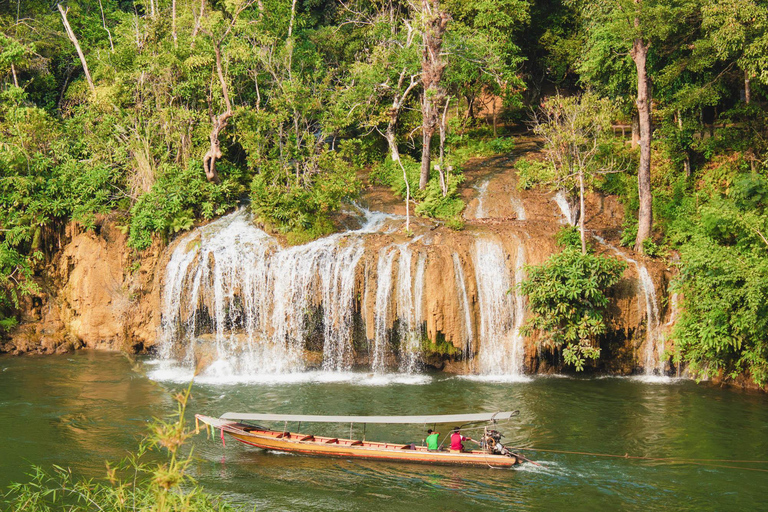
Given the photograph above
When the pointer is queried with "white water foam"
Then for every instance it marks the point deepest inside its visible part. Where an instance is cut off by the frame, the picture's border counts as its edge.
(481, 189)
(517, 204)
(497, 378)
(181, 375)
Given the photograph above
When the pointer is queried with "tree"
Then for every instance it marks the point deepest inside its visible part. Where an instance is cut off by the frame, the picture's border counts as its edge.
(632, 28)
(736, 31)
(219, 122)
(434, 23)
(724, 279)
(578, 145)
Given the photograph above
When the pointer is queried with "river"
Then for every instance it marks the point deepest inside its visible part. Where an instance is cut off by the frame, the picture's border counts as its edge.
(81, 409)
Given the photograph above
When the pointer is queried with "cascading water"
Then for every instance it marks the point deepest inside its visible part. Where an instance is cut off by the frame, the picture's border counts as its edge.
(239, 304)
(654, 363)
(382, 309)
(502, 309)
(256, 296)
(410, 294)
(654, 344)
(463, 305)
(480, 212)
(565, 207)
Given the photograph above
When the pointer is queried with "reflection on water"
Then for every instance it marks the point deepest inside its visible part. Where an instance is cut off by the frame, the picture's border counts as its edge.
(82, 409)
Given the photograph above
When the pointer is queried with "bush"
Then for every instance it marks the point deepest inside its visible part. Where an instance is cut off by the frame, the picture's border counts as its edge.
(178, 198)
(566, 296)
(300, 206)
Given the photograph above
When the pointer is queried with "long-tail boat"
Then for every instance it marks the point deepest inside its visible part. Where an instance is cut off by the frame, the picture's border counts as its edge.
(241, 426)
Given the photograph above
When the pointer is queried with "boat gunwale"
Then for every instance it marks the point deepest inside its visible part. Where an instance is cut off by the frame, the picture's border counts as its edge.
(277, 440)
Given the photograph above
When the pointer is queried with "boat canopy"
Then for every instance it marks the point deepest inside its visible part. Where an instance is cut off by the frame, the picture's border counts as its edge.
(309, 418)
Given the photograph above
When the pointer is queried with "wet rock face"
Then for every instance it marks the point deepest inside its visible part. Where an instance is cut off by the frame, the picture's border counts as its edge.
(94, 297)
(369, 297)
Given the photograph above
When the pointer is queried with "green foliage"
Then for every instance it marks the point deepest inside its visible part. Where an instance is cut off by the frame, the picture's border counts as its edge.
(178, 197)
(569, 238)
(131, 484)
(566, 297)
(301, 205)
(531, 173)
(724, 281)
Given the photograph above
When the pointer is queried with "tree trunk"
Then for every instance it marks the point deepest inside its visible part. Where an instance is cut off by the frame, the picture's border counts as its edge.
(407, 198)
(219, 123)
(639, 55)
(582, 213)
(394, 153)
(432, 68)
(747, 88)
(426, 142)
(394, 113)
(104, 24)
(441, 169)
(635, 131)
(72, 38)
(687, 161)
(198, 21)
(13, 72)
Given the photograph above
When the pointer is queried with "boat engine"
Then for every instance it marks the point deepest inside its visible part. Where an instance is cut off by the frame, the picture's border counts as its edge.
(491, 442)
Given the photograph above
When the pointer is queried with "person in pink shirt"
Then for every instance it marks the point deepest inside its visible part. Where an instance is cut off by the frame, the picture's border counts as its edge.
(457, 440)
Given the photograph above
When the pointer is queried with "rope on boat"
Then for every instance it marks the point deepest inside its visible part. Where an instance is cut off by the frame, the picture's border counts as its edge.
(671, 460)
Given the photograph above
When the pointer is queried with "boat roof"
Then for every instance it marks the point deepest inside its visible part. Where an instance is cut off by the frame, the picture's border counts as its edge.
(311, 418)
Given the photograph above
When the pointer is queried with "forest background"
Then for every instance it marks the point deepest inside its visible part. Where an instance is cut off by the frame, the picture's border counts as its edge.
(162, 114)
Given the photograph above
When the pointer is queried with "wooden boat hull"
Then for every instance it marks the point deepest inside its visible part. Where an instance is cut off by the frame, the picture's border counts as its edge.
(304, 444)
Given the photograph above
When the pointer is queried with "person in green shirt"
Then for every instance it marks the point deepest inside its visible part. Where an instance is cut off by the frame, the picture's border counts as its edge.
(432, 439)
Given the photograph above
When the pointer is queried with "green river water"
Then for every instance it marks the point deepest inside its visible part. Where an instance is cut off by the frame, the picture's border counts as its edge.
(81, 409)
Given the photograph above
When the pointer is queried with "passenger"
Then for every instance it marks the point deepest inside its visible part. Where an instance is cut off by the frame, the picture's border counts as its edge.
(432, 439)
(457, 440)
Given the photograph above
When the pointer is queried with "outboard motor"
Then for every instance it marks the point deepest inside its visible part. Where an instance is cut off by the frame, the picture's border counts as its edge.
(491, 443)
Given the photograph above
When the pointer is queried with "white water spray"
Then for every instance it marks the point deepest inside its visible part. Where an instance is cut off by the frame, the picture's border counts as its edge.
(501, 310)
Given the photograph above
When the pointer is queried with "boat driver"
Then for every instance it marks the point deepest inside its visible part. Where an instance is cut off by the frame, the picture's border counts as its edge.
(432, 439)
(457, 440)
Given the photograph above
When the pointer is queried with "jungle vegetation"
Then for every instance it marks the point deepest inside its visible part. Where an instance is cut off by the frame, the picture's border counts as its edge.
(161, 114)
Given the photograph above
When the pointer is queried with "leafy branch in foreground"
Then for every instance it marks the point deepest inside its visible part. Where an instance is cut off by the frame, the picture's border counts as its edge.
(566, 296)
(132, 485)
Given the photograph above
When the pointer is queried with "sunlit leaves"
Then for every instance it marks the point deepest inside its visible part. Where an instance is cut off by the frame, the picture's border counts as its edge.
(566, 296)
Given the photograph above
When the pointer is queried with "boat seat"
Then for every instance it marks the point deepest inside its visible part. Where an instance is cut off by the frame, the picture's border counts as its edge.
(331, 441)
(307, 438)
(286, 435)
(356, 443)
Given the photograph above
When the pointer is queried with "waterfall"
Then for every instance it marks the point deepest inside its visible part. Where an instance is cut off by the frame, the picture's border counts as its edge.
(410, 294)
(382, 309)
(463, 305)
(256, 298)
(565, 207)
(654, 343)
(238, 304)
(517, 204)
(501, 310)
(480, 212)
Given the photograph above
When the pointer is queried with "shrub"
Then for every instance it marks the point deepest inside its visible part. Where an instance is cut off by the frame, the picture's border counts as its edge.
(566, 296)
